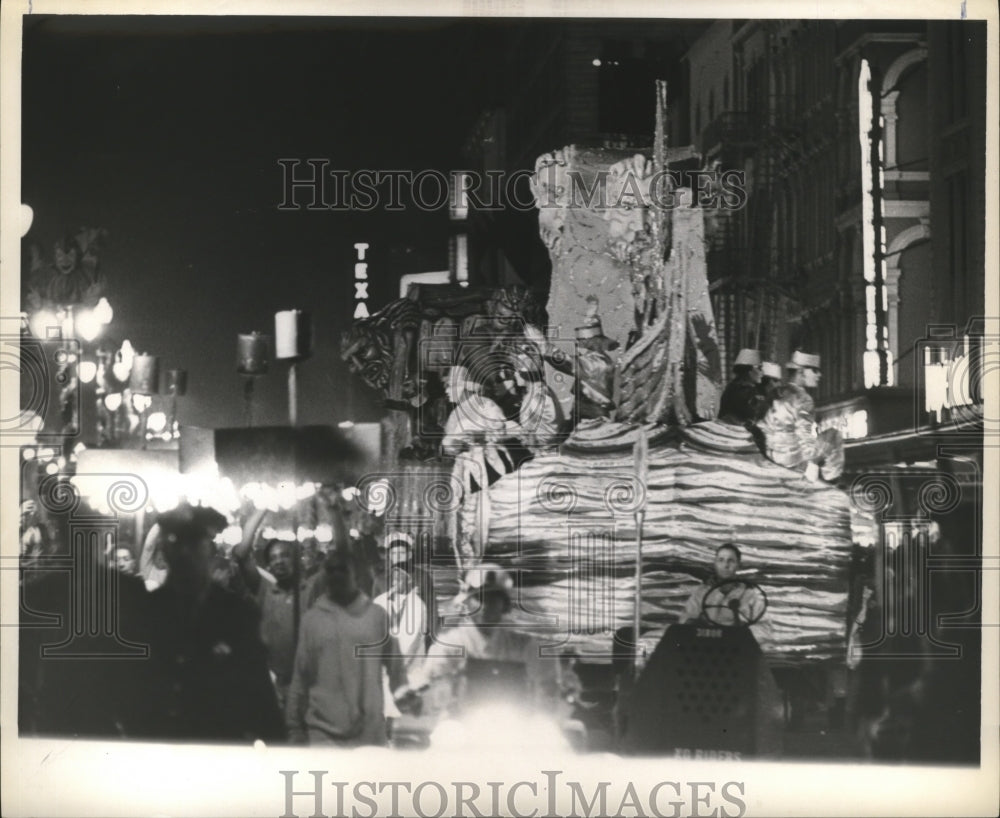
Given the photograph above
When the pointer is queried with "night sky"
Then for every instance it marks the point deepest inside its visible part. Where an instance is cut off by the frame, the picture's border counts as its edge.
(167, 132)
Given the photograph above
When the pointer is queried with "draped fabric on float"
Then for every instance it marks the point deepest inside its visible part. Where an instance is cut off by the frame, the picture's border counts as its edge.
(708, 484)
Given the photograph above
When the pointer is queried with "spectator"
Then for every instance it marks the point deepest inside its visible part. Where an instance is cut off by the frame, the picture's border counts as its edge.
(336, 695)
(208, 669)
(125, 562)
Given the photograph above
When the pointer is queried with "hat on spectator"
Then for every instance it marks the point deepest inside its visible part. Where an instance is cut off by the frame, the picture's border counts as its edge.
(748, 357)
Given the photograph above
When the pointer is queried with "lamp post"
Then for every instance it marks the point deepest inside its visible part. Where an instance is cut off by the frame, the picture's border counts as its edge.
(144, 381)
(292, 343)
(176, 388)
(251, 363)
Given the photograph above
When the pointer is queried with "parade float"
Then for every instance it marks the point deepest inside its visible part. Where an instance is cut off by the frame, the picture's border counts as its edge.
(615, 527)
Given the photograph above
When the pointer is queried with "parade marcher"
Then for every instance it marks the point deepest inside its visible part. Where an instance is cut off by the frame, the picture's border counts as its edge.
(208, 674)
(397, 550)
(336, 695)
(407, 623)
(732, 602)
(789, 426)
(489, 637)
(741, 397)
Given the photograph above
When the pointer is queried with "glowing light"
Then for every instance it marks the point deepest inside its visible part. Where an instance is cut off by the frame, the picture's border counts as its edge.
(286, 495)
(501, 727)
(305, 491)
(123, 361)
(355, 534)
(324, 533)
(87, 325)
(41, 322)
(113, 401)
(141, 402)
(61, 463)
(346, 424)
(46, 453)
(597, 63)
(87, 371)
(233, 535)
(103, 311)
(28, 454)
(857, 425)
(302, 533)
(52, 468)
(349, 493)
(156, 422)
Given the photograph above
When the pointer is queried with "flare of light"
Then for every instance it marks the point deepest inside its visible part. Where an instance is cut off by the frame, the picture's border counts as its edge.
(113, 401)
(499, 726)
(355, 534)
(87, 325)
(324, 533)
(79, 447)
(305, 491)
(346, 424)
(141, 402)
(28, 454)
(87, 371)
(41, 322)
(286, 495)
(156, 422)
(52, 468)
(302, 533)
(46, 453)
(232, 535)
(349, 493)
(103, 311)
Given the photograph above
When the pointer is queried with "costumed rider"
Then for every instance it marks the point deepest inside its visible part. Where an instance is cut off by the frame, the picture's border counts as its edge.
(592, 367)
(541, 423)
(473, 435)
(741, 397)
(489, 638)
(769, 387)
(789, 426)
